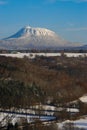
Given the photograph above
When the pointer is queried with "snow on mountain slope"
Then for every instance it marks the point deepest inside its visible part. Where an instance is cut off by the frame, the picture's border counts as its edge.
(34, 38)
(28, 31)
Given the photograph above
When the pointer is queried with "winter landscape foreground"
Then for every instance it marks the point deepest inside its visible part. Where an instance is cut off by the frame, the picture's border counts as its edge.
(46, 91)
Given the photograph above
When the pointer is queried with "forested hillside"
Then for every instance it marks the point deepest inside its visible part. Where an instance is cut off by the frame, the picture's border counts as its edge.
(25, 81)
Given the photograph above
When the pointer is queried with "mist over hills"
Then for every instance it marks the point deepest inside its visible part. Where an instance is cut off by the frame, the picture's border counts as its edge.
(35, 38)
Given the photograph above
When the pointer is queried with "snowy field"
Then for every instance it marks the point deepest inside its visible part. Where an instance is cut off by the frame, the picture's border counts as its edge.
(80, 123)
(30, 114)
(13, 118)
(4, 118)
(32, 55)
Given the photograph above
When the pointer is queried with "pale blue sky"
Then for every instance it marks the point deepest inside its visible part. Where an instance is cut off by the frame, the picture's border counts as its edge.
(68, 18)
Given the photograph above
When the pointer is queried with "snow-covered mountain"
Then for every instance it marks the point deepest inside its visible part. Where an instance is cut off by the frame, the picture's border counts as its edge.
(34, 38)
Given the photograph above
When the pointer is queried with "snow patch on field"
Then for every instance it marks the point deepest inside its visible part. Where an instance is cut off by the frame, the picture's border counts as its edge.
(72, 110)
(83, 99)
(5, 118)
(80, 123)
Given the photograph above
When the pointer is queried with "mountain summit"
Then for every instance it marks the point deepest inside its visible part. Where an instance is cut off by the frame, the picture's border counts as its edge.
(34, 38)
(28, 31)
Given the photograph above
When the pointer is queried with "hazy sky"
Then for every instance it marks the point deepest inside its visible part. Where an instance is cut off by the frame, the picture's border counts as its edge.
(68, 18)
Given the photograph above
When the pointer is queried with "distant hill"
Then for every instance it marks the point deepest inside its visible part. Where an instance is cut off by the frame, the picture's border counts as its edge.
(35, 38)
